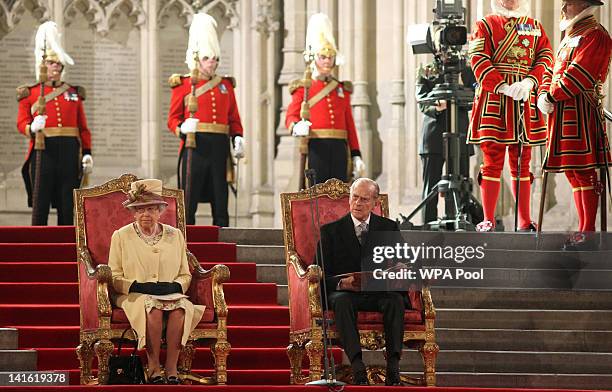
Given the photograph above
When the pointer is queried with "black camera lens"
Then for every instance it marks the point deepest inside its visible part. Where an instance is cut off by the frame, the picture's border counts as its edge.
(454, 35)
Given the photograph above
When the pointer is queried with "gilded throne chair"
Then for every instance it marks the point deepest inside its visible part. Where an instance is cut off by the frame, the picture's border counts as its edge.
(304, 286)
(98, 213)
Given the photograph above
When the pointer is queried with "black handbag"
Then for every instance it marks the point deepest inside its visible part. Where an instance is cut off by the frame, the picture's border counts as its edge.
(126, 369)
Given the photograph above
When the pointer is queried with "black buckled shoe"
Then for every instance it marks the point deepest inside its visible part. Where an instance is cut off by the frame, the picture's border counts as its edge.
(360, 374)
(532, 228)
(173, 380)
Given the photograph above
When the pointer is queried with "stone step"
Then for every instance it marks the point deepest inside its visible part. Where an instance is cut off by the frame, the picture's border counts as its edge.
(524, 340)
(18, 360)
(503, 361)
(251, 236)
(538, 259)
(502, 240)
(261, 254)
(553, 381)
(512, 278)
(492, 298)
(592, 320)
(9, 339)
(272, 273)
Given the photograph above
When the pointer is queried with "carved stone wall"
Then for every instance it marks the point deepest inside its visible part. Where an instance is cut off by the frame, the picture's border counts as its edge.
(126, 49)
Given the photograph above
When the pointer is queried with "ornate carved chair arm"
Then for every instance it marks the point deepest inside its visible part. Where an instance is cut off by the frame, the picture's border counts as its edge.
(207, 285)
(430, 310)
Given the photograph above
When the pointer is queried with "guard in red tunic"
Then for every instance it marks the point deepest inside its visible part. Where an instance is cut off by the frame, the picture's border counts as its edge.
(572, 96)
(509, 54)
(330, 130)
(62, 151)
(204, 169)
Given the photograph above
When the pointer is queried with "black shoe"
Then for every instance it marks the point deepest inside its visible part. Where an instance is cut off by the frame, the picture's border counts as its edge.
(173, 380)
(532, 228)
(158, 379)
(393, 375)
(360, 374)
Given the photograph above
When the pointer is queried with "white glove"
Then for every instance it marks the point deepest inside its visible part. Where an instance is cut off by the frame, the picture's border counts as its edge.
(515, 91)
(504, 89)
(238, 147)
(359, 167)
(544, 105)
(38, 123)
(301, 128)
(87, 163)
(189, 125)
(526, 87)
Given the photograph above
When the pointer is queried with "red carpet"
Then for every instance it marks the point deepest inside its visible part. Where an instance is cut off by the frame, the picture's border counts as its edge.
(38, 295)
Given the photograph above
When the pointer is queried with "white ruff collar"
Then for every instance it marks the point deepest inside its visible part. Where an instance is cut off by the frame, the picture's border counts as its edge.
(522, 10)
(567, 24)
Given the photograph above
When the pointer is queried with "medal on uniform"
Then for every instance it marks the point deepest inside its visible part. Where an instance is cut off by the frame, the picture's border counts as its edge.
(223, 89)
(340, 92)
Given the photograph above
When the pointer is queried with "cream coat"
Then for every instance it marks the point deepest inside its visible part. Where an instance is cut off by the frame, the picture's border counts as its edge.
(131, 259)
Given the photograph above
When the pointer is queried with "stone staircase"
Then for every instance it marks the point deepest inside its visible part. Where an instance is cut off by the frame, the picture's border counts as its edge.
(530, 324)
(12, 359)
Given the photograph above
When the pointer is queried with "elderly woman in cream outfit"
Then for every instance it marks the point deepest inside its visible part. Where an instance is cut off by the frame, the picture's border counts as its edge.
(150, 275)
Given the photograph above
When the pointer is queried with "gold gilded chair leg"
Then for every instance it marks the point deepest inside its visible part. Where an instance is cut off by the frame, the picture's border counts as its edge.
(103, 349)
(221, 350)
(186, 357)
(314, 349)
(295, 352)
(429, 352)
(85, 353)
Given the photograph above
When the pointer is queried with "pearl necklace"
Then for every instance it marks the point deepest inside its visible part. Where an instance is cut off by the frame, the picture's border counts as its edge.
(150, 239)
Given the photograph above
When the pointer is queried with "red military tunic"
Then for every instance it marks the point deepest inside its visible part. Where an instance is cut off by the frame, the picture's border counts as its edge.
(507, 50)
(215, 106)
(63, 111)
(333, 112)
(577, 122)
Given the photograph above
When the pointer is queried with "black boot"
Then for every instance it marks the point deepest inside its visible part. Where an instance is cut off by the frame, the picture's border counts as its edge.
(360, 374)
(393, 374)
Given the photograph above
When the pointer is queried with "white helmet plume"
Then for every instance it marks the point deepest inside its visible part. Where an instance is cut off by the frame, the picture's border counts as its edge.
(203, 39)
(48, 38)
(320, 38)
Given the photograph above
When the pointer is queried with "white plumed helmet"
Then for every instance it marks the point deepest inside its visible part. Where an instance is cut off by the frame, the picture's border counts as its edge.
(48, 38)
(320, 38)
(202, 39)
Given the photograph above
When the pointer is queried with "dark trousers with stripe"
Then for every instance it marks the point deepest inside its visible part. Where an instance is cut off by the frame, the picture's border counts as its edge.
(203, 177)
(59, 175)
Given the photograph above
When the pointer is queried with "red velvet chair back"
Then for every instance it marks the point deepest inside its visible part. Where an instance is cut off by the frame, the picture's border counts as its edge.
(100, 211)
(332, 199)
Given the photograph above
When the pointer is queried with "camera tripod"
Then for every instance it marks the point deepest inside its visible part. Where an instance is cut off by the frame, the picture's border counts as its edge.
(457, 187)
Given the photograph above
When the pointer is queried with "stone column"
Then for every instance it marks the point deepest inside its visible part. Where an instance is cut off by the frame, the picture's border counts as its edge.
(262, 109)
(151, 113)
(286, 163)
(394, 136)
(360, 98)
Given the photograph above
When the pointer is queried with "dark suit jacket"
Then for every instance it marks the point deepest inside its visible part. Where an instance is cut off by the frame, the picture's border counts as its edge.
(340, 247)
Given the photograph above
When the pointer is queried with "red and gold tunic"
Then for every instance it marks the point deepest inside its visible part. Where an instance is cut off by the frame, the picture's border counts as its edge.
(217, 108)
(65, 114)
(330, 115)
(507, 50)
(577, 124)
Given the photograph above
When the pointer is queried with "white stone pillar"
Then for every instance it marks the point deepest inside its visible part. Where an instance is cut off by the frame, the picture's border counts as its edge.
(360, 98)
(394, 136)
(286, 163)
(150, 74)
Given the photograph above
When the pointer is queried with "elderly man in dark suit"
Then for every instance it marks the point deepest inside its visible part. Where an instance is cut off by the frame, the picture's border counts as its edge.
(344, 245)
